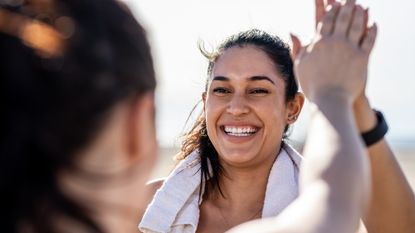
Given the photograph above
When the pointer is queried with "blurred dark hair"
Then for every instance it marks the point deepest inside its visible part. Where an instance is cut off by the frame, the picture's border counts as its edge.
(197, 137)
(54, 102)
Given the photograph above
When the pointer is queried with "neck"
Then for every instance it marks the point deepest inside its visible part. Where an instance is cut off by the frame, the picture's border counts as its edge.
(244, 188)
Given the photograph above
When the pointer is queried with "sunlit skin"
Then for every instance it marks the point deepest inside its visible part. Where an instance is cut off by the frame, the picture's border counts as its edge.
(246, 91)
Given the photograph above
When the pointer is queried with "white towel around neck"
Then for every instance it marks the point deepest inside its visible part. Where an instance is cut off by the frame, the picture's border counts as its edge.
(175, 206)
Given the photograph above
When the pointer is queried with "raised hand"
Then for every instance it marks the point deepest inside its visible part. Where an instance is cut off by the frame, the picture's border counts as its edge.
(362, 109)
(336, 61)
(392, 205)
(321, 6)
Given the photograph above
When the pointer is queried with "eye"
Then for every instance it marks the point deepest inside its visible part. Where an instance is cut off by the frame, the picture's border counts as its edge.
(258, 91)
(221, 91)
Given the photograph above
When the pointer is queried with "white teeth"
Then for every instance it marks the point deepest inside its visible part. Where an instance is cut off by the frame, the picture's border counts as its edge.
(239, 131)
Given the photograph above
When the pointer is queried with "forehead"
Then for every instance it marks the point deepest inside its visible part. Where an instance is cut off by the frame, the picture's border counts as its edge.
(245, 62)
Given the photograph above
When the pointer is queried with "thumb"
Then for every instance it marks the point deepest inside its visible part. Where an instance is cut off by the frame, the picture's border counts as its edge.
(296, 46)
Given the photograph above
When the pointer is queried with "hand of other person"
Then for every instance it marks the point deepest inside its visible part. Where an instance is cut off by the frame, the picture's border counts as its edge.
(365, 117)
(337, 58)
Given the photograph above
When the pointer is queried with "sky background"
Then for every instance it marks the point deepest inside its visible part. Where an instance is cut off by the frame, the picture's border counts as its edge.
(174, 28)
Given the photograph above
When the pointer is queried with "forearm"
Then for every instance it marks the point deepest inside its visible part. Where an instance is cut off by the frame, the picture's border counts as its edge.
(392, 206)
(335, 156)
(333, 148)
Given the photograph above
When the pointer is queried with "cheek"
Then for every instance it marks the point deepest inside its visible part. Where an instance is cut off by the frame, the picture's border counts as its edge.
(211, 113)
(213, 107)
(275, 125)
(273, 113)
(277, 121)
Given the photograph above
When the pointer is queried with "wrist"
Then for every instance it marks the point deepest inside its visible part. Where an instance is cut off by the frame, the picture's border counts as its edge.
(365, 117)
(333, 105)
(331, 97)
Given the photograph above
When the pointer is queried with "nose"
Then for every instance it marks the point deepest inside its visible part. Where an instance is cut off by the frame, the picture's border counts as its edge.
(238, 106)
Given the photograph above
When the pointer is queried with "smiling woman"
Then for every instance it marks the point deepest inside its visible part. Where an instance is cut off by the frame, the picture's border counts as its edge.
(236, 146)
(250, 85)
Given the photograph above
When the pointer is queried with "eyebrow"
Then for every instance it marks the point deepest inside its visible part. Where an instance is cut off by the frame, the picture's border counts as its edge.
(253, 78)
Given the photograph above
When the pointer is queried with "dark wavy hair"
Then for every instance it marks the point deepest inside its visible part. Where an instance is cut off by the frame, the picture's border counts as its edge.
(64, 65)
(197, 138)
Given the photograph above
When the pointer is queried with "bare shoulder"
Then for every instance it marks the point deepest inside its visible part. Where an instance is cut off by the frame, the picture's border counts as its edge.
(151, 188)
(154, 185)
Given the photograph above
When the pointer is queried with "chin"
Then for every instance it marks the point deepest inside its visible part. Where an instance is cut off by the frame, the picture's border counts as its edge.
(239, 158)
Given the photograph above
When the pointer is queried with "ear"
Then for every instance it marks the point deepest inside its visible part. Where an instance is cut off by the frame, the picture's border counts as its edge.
(141, 154)
(294, 107)
(142, 142)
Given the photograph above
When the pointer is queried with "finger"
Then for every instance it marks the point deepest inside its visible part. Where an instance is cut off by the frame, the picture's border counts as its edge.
(357, 26)
(298, 49)
(296, 46)
(366, 20)
(343, 19)
(320, 10)
(370, 38)
(325, 27)
(329, 2)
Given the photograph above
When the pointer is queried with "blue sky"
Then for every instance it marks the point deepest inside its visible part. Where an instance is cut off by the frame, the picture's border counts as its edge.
(174, 27)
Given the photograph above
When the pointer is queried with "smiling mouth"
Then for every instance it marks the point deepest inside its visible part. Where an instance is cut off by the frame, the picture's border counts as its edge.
(240, 131)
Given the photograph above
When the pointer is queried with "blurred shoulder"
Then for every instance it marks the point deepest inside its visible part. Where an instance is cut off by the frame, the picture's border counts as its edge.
(154, 185)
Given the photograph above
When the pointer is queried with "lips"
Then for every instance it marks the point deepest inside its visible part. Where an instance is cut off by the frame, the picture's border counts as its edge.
(239, 131)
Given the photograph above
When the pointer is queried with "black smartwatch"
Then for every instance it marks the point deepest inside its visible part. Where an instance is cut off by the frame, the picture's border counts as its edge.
(376, 134)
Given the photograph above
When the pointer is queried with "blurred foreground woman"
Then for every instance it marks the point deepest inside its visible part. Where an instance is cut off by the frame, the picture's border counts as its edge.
(78, 137)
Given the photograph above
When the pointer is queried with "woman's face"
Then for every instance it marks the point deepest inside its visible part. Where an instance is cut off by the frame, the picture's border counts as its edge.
(245, 106)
